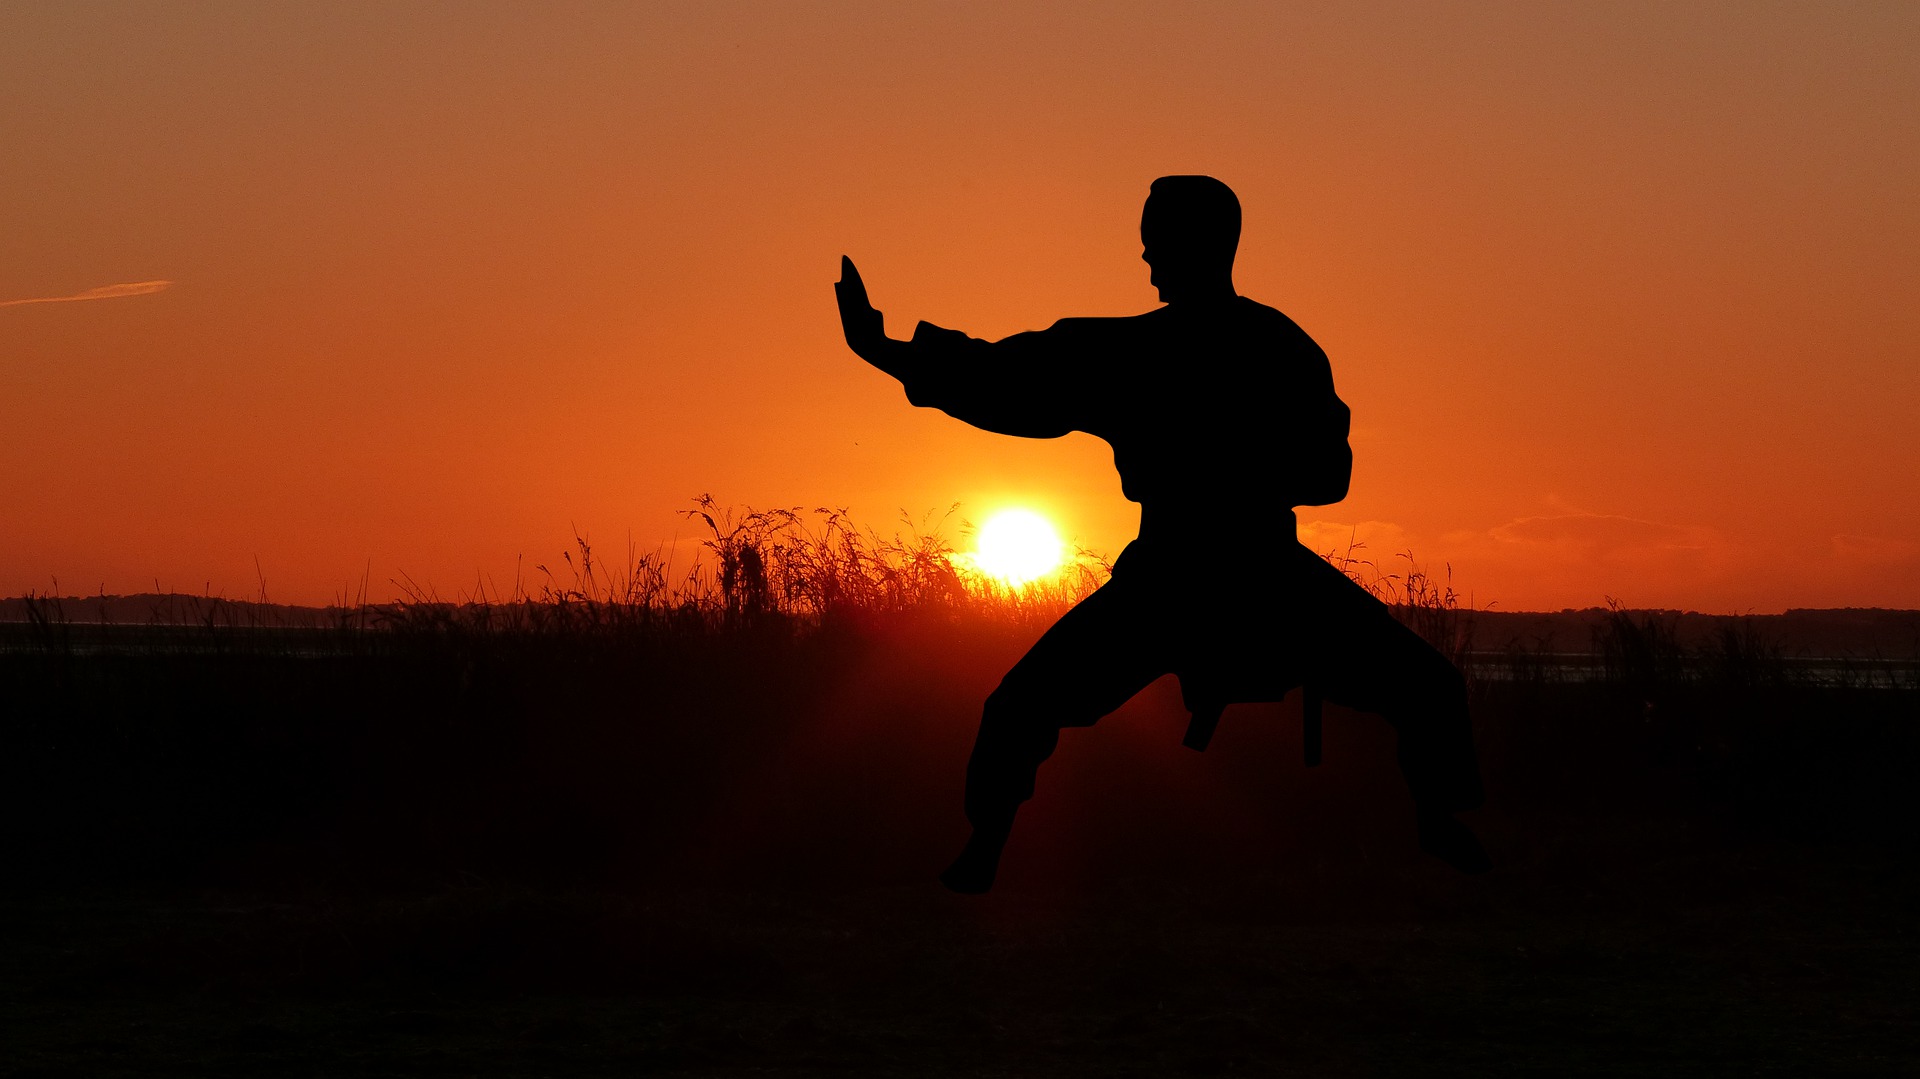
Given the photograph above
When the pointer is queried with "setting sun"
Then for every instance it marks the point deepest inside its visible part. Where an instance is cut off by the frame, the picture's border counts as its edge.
(1017, 546)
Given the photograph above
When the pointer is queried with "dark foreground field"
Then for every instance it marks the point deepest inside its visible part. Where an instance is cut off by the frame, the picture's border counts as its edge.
(712, 854)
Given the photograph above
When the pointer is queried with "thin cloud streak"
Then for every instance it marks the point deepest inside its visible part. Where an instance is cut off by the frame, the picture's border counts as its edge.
(104, 292)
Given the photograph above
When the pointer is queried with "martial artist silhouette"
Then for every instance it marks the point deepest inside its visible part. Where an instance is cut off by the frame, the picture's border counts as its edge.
(1214, 405)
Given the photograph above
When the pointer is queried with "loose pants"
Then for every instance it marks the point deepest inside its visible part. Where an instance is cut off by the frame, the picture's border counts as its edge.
(1227, 641)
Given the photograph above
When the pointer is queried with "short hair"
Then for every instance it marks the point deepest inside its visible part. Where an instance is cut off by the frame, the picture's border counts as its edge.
(1201, 211)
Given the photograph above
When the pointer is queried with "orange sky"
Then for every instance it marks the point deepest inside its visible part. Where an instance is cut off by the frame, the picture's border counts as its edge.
(1621, 295)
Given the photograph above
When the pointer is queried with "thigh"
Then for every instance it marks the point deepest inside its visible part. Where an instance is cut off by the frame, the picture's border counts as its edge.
(1100, 653)
(1365, 657)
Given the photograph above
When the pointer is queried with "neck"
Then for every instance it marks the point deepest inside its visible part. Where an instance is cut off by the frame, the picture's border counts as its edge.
(1217, 290)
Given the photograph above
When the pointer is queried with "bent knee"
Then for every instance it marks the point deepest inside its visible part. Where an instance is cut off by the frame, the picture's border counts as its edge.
(1008, 708)
(1013, 707)
(1435, 683)
(1424, 686)
(1447, 679)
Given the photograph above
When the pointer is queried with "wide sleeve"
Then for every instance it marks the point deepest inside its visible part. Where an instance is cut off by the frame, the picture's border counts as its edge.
(1032, 384)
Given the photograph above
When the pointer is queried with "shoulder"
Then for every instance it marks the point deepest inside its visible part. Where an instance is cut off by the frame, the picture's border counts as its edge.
(1256, 312)
(1274, 325)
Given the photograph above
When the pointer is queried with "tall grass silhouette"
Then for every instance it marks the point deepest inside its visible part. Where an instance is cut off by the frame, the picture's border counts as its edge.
(787, 568)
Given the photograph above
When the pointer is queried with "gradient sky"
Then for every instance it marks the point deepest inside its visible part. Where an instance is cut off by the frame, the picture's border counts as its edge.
(1622, 295)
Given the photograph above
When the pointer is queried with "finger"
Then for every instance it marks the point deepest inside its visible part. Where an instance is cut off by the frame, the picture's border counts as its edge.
(853, 301)
(850, 285)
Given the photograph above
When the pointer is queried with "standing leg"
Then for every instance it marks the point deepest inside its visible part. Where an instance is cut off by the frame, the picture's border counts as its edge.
(1100, 653)
(1374, 663)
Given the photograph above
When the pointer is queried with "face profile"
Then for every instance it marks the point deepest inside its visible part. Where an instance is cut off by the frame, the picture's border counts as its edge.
(1189, 232)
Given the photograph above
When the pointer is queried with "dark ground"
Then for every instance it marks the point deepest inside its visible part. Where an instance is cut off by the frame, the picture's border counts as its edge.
(1687, 956)
(468, 860)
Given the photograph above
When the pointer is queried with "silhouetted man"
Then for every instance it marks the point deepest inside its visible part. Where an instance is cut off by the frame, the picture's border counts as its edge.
(1216, 407)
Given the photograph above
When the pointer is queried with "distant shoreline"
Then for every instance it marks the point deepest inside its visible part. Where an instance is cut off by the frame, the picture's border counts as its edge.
(1877, 633)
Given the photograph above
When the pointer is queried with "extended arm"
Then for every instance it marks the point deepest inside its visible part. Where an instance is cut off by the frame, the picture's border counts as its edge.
(1012, 387)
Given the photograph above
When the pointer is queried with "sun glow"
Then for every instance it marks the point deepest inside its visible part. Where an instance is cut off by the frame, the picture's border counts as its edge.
(1018, 546)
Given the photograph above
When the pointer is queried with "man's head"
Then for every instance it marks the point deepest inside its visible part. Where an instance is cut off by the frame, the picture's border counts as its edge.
(1188, 234)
